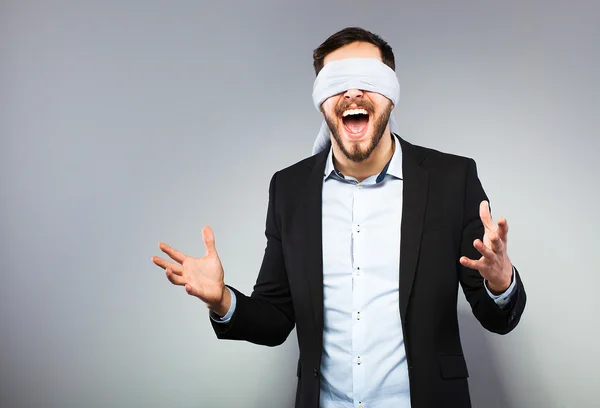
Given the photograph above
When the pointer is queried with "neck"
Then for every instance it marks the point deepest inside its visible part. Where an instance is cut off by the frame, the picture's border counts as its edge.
(374, 164)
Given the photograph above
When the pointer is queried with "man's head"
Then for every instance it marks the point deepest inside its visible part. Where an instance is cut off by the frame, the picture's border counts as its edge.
(357, 119)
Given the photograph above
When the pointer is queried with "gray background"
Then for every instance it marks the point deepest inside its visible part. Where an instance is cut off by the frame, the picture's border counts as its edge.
(125, 123)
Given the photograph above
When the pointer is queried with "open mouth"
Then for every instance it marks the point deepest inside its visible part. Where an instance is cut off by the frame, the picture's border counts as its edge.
(355, 122)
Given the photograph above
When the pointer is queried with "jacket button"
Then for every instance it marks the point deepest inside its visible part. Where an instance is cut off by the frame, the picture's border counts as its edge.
(315, 372)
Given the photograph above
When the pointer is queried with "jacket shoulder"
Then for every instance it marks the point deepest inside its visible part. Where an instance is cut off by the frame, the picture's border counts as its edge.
(302, 169)
(437, 159)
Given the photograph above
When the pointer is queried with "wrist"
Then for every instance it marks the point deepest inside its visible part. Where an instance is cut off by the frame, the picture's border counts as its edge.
(221, 307)
(498, 287)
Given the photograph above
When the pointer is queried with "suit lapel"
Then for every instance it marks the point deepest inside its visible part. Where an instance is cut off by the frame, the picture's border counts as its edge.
(414, 199)
(313, 222)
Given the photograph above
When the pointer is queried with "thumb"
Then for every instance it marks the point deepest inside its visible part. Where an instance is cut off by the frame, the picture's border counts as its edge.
(485, 215)
(191, 291)
(209, 240)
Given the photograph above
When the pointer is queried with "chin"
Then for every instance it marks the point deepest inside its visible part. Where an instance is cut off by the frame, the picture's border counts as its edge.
(356, 149)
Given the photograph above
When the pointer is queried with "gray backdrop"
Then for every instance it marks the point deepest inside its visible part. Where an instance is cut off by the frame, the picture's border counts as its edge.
(125, 123)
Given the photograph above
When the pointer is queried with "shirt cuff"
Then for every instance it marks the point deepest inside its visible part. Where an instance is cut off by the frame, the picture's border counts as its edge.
(225, 319)
(504, 298)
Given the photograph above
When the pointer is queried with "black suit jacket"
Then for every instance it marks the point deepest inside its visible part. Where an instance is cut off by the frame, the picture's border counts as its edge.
(440, 221)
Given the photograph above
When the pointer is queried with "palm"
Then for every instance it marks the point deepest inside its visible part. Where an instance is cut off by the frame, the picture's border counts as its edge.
(202, 277)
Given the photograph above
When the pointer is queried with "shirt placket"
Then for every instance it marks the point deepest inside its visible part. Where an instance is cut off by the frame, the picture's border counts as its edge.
(359, 356)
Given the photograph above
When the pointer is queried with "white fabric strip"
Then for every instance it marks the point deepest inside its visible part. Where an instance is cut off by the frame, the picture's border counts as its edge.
(367, 74)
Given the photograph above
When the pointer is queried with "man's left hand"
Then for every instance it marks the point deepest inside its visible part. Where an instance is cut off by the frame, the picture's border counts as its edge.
(494, 265)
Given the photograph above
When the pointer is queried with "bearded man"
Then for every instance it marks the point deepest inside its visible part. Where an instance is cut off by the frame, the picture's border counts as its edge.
(367, 243)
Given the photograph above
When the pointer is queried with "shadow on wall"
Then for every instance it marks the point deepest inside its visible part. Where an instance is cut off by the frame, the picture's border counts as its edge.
(486, 384)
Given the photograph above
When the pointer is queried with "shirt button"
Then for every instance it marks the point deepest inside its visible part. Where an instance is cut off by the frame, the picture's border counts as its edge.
(358, 360)
(315, 372)
(357, 315)
(359, 185)
(360, 405)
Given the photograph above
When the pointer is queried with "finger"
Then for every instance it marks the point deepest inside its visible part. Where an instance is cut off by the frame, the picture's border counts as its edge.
(174, 267)
(172, 252)
(175, 279)
(470, 263)
(496, 242)
(503, 229)
(483, 250)
(486, 217)
(209, 240)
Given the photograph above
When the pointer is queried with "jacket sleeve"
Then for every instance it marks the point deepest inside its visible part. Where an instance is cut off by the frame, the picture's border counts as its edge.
(490, 315)
(266, 317)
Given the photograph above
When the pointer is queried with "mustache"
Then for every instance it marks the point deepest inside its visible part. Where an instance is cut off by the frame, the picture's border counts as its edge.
(360, 103)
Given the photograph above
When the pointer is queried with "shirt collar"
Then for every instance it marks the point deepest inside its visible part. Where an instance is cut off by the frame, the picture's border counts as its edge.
(393, 166)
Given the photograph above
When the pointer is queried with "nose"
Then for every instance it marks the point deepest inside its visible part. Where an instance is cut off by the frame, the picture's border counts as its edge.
(353, 94)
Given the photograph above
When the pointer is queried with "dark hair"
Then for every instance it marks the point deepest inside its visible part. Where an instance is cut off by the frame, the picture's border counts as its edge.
(350, 35)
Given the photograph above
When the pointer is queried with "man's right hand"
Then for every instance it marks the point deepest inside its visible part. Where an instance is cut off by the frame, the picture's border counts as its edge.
(202, 277)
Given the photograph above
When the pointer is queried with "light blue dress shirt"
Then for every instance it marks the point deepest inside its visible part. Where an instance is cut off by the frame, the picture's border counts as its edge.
(363, 363)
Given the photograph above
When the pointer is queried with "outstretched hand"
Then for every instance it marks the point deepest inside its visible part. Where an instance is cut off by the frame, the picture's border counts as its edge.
(202, 277)
(494, 265)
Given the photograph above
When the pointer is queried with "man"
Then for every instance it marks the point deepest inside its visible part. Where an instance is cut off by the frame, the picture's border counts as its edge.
(367, 242)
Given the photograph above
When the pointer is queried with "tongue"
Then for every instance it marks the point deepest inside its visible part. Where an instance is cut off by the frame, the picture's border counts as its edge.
(356, 123)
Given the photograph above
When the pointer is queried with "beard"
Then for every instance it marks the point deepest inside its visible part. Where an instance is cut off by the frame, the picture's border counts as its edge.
(354, 152)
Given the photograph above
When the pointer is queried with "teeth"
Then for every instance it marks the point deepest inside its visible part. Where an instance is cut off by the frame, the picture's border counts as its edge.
(354, 112)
